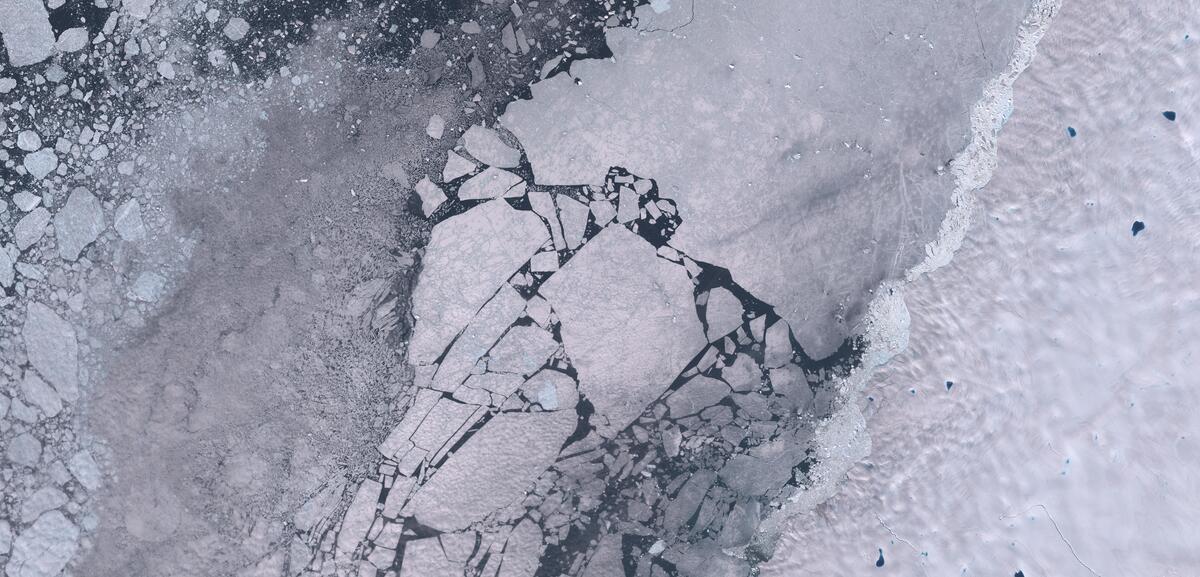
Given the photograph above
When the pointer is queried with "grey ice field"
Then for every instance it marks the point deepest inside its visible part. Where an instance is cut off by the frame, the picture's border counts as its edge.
(598, 288)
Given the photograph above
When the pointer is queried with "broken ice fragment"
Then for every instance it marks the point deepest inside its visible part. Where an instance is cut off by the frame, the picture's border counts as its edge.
(573, 215)
(84, 467)
(8, 258)
(139, 9)
(478, 75)
(743, 375)
(40, 163)
(128, 221)
(723, 313)
(25, 28)
(431, 195)
(52, 349)
(72, 40)
(42, 500)
(468, 256)
(471, 27)
(394, 171)
(28, 140)
(522, 350)
(45, 548)
(491, 183)
(26, 201)
(779, 345)
(699, 393)
(492, 469)
(78, 223)
(456, 166)
(31, 228)
(436, 127)
(628, 323)
(508, 38)
(148, 287)
(485, 145)
(236, 29)
(39, 393)
(544, 262)
(25, 450)
(430, 38)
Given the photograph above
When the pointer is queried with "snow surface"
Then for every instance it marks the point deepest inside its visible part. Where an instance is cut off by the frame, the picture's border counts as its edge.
(1041, 419)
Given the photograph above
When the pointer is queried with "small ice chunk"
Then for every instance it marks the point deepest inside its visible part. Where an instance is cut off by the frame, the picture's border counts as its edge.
(509, 38)
(602, 212)
(31, 228)
(40, 163)
(429, 39)
(431, 195)
(491, 183)
(166, 69)
(25, 450)
(128, 221)
(7, 84)
(29, 140)
(45, 499)
(436, 127)
(236, 29)
(78, 224)
(478, 74)
(456, 166)
(627, 205)
(485, 145)
(471, 27)
(99, 153)
(52, 349)
(148, 287)
(45, 548)
(72, 40)
(26, 201)
(42, 395)
(25, 28)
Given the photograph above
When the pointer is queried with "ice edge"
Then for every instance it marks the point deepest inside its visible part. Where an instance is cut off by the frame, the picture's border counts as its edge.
(843, 439)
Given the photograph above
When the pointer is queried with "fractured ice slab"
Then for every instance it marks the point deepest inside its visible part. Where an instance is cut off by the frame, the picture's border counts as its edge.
(628, 323)
(44, 549)
(52, 349)
(787, 136)
(493, 468)
(468, 256)
(491, 183)
(485, 145)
